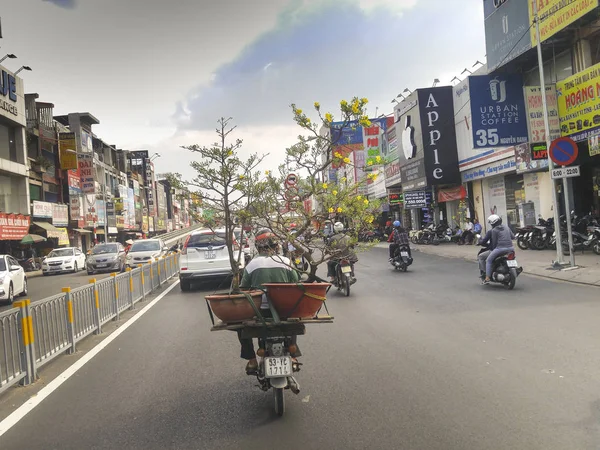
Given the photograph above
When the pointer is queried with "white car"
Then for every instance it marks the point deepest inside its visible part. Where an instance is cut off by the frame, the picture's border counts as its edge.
(204, 256)
(12, 279)
(145, 250)
(68, 259)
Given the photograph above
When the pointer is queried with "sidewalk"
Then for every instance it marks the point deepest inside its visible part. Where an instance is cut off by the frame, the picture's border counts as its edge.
(534, 262)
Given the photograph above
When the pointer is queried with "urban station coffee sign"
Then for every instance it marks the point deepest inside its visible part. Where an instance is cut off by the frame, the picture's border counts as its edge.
(498, 110)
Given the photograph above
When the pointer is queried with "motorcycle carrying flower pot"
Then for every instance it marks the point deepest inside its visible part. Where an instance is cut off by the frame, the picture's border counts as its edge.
(297, 300)
(231, 308)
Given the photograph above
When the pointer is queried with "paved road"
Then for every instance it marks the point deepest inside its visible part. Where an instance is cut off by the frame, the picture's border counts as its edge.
(422, 360)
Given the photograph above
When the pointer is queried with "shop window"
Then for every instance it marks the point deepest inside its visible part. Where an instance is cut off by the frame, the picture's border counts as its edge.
(35, 193)
(8, 143)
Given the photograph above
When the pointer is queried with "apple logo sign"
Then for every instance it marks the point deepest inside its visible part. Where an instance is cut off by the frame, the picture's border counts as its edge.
(408, 140)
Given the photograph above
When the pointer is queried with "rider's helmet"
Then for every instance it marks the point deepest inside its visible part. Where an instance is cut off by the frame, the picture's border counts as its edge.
(338, 227)
(494, 220)
(265, 239)
(396, 224)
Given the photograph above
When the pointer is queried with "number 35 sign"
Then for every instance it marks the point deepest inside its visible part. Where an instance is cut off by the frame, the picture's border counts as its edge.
(498, 110)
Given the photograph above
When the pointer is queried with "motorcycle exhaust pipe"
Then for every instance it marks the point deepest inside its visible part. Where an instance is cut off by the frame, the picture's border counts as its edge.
(500, 277)
(294, 386)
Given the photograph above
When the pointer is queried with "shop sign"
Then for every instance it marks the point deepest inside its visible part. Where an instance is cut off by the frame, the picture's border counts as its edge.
(86, 173)
(67, 150)
(439, 135)
(372, 140)
(101, 210)
(555, 15)
(452, 194)
(579, 104)
(490, 170)
(61, 234)
(75, 207)
(13, 227)
(392, 143)
(60, 215)
(535, 113)
(498, 110)
(531, 157)
(145, 224)
(594, 145)
(42, 209)
(113, 230)
(392, 173)
(413, 175)
(12, 100)
(395, 198)
(120, 222)
(506, 30)
(343, 133)
(415, 200)
(377, 188)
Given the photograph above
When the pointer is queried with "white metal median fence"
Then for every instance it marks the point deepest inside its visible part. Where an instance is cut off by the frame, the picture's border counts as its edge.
(32, 334)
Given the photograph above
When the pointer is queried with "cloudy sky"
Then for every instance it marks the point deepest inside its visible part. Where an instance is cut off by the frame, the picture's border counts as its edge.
(157, 74)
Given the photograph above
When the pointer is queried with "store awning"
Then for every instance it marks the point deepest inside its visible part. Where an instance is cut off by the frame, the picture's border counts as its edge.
(46, 226)
(82, 231)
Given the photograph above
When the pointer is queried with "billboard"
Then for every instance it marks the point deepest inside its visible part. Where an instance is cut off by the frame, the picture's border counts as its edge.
(436, 109)
(498, 110)
(506, 31)
(555, 15)
(579, 104)
(67, 150)
(535, 113)
(86, 173)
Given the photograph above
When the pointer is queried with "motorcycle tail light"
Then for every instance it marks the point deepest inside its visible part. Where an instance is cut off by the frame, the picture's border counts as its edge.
(511, 256)
(293, 349)
(260, 352)
(344, 262)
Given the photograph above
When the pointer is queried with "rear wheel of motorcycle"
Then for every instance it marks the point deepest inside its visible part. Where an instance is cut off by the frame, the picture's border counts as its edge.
(435, 241)
(513, 279)
(538, 243)
(279, 401)
(346, 287)
(522, 243)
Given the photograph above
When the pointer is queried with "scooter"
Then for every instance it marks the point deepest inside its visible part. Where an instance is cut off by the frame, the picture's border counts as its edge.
(402, 259)
(344, 276)
(505, 269)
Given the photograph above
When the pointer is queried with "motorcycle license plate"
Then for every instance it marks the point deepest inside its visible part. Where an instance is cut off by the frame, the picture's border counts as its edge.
(276, 367)
(404, 254)
(346, 269)
(512, 263)
(210, 255)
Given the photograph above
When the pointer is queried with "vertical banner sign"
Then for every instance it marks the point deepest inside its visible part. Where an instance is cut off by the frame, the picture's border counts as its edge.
(555, 15)
(535, 113)
(506, 31)
(67, 151)
(86, 173)
(498, 110)
(579, 104)
(372, 142)
(436, 108)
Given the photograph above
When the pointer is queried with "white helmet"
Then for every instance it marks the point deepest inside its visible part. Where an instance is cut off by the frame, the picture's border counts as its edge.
(494, 220)
(338, 227)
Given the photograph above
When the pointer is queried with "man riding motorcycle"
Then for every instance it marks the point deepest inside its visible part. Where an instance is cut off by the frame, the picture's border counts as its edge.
(340, 243)
(500, 238)
(266, 267)
(398, 238)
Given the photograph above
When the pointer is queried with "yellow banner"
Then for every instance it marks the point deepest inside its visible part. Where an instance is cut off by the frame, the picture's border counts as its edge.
(557, 14)
(579, 102)
(67, 149)
(61, 234)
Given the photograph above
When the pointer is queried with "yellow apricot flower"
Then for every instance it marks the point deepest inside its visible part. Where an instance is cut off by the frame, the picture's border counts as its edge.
(298, 111)
(324, 185)
(347, 160)
(369, 163)
(358, 197)
(344, 103)
(339, 209)
(337, 154)
(334, 192)
(366, 201)
(330, 210)
(378, 158)
(328, 118)
(364, 100)
(317, 105)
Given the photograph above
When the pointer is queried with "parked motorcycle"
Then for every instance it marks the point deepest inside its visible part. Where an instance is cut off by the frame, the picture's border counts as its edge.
(30, 264)
(402, 258)
(505, 269)
(344, 276)
(583, 234)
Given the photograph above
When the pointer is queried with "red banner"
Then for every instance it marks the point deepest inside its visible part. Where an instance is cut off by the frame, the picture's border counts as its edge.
(13, 227)
(448, 195)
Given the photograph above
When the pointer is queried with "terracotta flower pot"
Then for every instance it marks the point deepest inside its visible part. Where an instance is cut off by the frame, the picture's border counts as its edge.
(234, 307)
(302, 300)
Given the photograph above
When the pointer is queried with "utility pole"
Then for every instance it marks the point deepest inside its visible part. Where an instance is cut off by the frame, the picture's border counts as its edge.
(559, 258)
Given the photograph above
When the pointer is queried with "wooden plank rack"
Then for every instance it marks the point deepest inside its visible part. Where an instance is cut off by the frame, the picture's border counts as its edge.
(255, 328)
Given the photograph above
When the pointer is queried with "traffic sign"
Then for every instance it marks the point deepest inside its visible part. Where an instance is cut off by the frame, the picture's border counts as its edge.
(563, 151)
(565, 172)
(291, 180)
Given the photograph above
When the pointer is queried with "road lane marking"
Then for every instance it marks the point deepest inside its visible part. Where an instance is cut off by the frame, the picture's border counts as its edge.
(30, 404)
